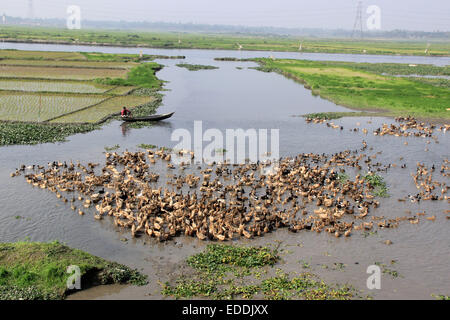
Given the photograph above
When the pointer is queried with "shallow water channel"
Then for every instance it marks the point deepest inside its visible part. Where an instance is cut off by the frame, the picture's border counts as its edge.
(229, 98)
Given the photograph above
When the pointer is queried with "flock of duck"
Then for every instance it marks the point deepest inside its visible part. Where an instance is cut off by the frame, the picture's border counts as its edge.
(407, 127)
(223, 201)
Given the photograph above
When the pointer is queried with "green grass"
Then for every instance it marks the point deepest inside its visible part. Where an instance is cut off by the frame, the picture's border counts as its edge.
(196, 67)
(336, 115)
(441, 297)
(142, 75)
(348, 85)
(377, 184)
(115, 147)
(384, 269)
(31, 270)
(224, 41)
(147, 146)
(230, 272)
(223, 258)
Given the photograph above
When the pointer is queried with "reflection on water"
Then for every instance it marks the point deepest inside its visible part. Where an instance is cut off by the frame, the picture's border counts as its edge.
(228, 98)
(124, 128)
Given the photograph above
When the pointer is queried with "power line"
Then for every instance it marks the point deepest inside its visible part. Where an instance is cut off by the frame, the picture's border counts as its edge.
(357, 27)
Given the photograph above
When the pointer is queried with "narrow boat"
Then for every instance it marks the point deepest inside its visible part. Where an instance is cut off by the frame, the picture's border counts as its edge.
(155, 117)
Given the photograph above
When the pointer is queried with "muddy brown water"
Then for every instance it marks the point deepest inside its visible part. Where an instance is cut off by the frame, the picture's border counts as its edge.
(232, 98)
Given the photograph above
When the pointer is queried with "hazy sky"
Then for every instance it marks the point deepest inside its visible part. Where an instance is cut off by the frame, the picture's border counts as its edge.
(426, 15)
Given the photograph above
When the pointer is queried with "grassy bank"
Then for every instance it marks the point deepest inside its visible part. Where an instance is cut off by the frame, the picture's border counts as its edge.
(362, 86)
(220, 41)
(31, 270)
(232, 272)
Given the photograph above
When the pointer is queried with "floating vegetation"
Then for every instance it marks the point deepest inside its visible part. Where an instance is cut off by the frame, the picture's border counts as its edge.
(38, 271)
(342, 177)
(221, 150)
(232, 59)
(195, 67)
(335, 115)
(32, 133)
(142, 75)
(441, 297)
(305, 264)
(377, 184)
(147, 146)
(223, 258)
(384, 269)
(339, 266)
(219, 274)
(115, 147)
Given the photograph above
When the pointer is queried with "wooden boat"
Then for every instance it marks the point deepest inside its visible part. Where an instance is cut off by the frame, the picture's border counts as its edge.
(155, 117)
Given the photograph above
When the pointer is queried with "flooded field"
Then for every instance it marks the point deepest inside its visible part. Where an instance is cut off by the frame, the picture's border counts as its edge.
(229, 98)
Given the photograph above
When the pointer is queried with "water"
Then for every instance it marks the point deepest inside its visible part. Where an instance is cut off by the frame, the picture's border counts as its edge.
(232, 98)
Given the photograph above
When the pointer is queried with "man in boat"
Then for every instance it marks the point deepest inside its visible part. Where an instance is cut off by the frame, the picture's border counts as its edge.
(125, 113)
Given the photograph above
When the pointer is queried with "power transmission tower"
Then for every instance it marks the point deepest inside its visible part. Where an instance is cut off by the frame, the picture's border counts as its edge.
(358, 27)
(30, 9)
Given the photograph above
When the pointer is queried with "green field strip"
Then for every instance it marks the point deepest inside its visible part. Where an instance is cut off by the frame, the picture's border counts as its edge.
(49, 86)
(68, 63)
(60, 73)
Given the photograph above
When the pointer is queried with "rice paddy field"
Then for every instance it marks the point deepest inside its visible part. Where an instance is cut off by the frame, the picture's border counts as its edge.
(60, 73)
(34, 107)
(68, 63)
(41, 55)
(56, 86)
(103, 109)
